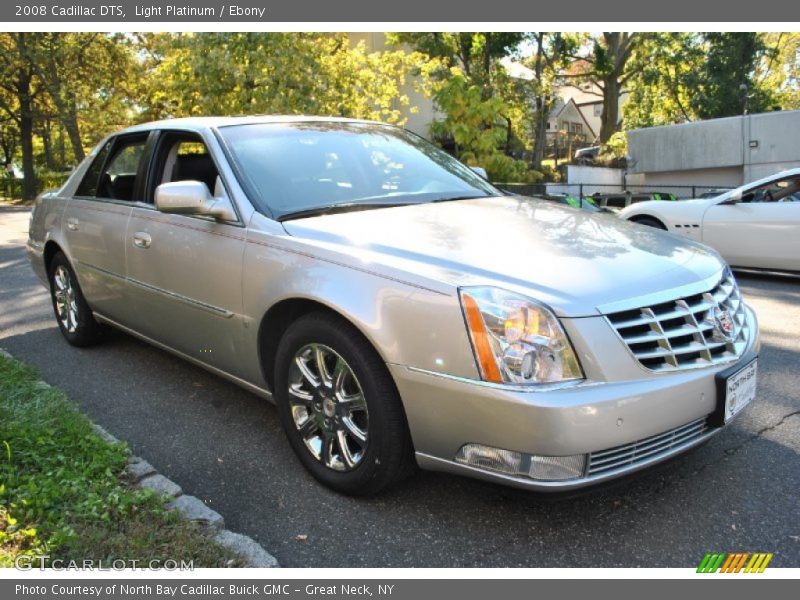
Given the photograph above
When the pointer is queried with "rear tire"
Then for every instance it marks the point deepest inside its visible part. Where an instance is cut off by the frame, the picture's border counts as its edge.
(344, 420)
(650, 222)
(74, 317)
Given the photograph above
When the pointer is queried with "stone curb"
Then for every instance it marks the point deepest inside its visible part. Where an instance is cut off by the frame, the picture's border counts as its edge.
(143, 475)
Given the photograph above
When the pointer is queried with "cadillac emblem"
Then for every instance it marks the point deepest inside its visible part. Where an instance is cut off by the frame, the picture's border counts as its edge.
(723, 323)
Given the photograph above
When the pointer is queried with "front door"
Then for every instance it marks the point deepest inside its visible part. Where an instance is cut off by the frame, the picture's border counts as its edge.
(185, 272)
(761, 230)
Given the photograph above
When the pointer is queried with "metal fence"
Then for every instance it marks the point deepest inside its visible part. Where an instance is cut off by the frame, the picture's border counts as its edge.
(614, 195)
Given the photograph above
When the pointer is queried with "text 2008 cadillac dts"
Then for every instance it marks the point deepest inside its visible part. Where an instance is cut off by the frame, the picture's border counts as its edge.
(395, 305)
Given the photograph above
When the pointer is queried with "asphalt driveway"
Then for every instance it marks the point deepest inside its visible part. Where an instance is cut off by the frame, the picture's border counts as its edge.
(737, 493)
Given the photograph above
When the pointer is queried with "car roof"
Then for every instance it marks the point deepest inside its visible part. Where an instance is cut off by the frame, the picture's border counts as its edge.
(204, 123)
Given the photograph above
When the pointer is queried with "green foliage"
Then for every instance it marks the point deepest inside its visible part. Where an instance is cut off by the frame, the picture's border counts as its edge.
(662, 93)
(730, 61)
(690, 76)
(279, 73)
(477, 127)
(779, 71)
(616, 147)
(60, 492)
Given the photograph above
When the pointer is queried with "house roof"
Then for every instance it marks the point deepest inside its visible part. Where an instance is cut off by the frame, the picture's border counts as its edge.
(561, 106)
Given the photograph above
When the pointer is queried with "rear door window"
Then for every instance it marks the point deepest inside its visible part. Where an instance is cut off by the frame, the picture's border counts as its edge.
(119, 179)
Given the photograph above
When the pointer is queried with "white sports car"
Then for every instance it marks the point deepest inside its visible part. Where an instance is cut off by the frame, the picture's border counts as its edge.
(755, 226)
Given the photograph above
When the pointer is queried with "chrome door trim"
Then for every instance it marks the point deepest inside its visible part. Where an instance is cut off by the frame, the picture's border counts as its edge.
(250, 387)
(215, 310)
(220, 312)
(98, 269)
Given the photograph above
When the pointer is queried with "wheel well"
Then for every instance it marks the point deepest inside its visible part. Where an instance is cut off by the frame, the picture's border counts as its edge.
(645, 218)
(275, 323)
(50, 250)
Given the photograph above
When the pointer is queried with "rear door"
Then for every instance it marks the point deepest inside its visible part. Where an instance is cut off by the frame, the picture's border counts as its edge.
(95, 222)
(185, 271)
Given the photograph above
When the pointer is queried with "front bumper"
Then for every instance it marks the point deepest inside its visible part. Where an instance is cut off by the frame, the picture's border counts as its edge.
(445, 413)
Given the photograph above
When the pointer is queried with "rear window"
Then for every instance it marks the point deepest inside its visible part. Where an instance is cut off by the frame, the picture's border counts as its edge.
(88, 186)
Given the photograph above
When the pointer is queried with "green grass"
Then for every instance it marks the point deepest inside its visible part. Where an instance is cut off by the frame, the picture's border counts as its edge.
(63, 492)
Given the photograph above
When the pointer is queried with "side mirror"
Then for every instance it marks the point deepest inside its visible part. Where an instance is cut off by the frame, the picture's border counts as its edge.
(192, 198)
(480, 171)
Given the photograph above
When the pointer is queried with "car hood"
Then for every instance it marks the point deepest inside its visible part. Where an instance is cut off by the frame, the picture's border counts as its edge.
(573, 260)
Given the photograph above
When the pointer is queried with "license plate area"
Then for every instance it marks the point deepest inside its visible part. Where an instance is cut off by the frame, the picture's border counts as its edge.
(736, 388)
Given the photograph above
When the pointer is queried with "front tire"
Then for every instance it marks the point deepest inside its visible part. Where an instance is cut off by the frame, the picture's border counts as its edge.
(340, 408)
(74, 317)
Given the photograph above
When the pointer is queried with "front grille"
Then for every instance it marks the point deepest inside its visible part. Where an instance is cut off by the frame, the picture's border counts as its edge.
(651, 447)
(685, 333)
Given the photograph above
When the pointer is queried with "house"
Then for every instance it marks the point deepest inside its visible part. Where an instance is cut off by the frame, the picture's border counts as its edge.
(725, 152)
(587, 95)
(573, 122)
(568, 129)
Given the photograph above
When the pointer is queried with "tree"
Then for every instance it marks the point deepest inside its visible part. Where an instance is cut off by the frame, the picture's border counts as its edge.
(18, 98)
(473, 124)
(549, 59)
(485, 111)
(609, 67)
(779, 70)
(283, 73)
(664, 88)
(730, 62)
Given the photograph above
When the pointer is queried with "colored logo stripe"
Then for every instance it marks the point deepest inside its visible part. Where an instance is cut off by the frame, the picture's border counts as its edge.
(734, 562)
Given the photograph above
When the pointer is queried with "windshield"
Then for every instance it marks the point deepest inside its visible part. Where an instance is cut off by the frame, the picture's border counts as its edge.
(294, 169)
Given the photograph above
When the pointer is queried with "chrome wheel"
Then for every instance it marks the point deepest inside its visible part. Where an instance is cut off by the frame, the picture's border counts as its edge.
(328, 407)
(66, 299)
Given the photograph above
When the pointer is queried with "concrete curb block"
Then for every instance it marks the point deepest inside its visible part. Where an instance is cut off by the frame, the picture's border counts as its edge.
(143, 475)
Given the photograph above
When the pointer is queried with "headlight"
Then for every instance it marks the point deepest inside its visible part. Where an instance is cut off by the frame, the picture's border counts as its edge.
(516, 340)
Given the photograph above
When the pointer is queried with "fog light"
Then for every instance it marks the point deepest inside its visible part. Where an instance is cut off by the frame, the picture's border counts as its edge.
(557, 468)
(491, 459)
(517, 464)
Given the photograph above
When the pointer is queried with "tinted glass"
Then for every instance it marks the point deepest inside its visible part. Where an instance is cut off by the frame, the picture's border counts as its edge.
(118, 181)
(88, 186)
(292, 167)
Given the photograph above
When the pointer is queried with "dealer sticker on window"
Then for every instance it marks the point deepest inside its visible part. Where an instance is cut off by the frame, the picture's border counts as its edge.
(740, 390)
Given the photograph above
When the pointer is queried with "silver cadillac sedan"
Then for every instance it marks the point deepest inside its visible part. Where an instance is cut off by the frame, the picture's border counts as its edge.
(397, 308)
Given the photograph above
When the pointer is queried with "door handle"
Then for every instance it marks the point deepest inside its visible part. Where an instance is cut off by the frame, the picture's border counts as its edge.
(142, 239)
(72, 224)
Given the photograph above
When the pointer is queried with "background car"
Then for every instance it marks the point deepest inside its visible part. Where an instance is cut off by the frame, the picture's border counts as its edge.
(754, 226)
(585, 202)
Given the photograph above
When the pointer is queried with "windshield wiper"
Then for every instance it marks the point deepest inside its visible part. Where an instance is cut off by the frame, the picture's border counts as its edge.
(465, 197)
(339, 208)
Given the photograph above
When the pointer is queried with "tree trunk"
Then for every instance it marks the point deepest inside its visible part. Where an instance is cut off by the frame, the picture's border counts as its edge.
(74, 132)
(25, 99)
(62, 147)
(610, 116)
(47, 145)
